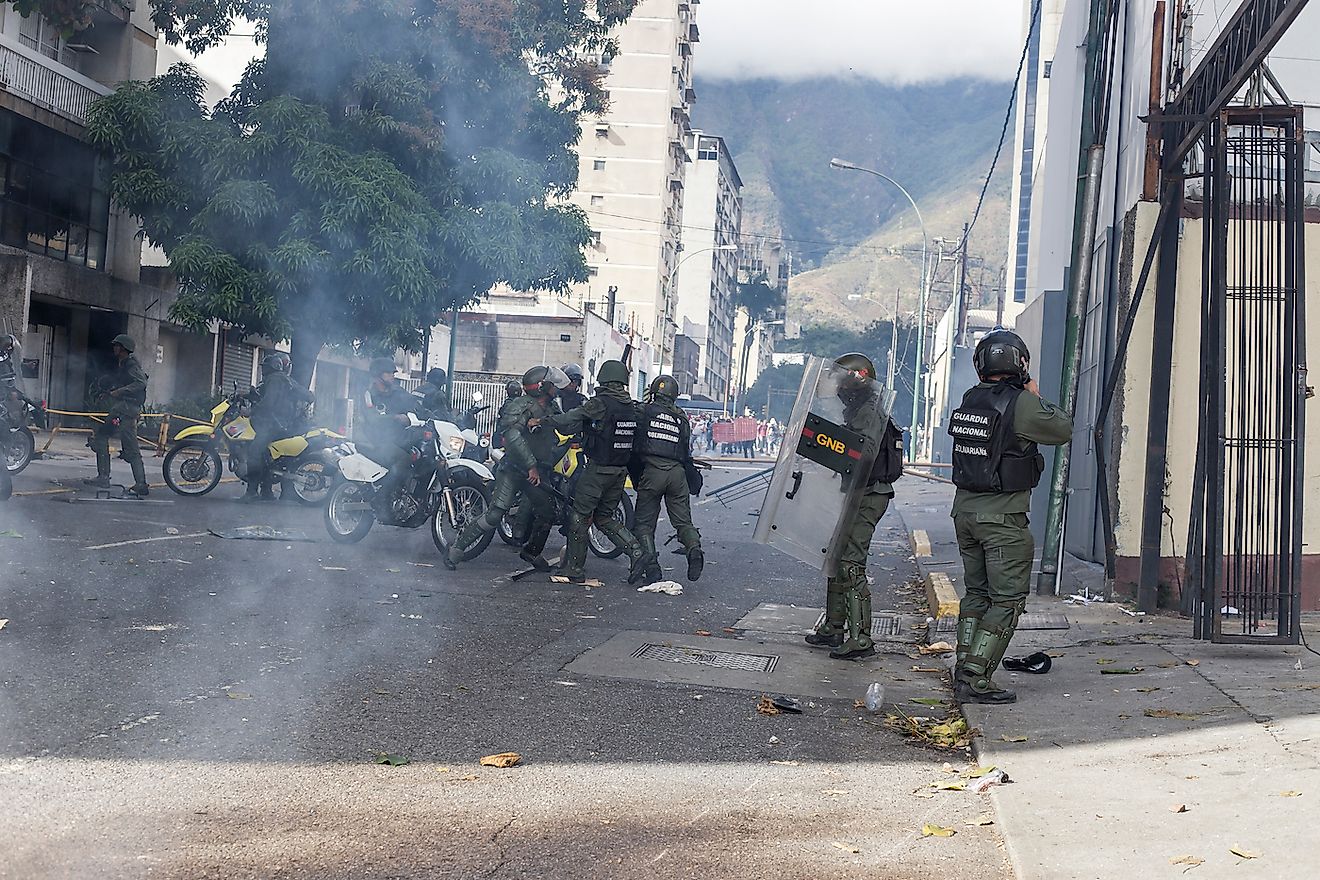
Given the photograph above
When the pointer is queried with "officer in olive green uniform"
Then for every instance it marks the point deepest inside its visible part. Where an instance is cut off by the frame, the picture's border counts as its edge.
(664, 447)
(609, 420)
(126, 388)
(846, 629)
(996, 464)
(526, 454)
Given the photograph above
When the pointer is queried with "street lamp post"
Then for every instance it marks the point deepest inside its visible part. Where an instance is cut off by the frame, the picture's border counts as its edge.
(923, 300)
(752, 327)
(672, 296)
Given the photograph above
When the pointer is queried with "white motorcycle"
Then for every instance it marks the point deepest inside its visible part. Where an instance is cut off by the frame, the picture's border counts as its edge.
(442, 487)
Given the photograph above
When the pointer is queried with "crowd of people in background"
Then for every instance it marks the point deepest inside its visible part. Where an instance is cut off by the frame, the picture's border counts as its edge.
(745, 437)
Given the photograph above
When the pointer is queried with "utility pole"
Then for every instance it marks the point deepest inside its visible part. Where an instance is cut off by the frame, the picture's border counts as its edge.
(893, 343)
(453, 347)
(1091, 161)
(962, 289)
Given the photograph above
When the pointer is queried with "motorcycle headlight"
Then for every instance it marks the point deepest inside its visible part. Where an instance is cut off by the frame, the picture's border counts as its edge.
(455, 443)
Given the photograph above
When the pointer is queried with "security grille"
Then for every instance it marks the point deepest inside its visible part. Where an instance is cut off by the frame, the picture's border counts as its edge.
(716, 659)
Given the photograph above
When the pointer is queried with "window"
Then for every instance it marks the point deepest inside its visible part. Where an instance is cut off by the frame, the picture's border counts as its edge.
(598, 165)
(56, 198)
(598, 200)
(40, 35)
(593, 271)
(595, 239)
(1049, 65)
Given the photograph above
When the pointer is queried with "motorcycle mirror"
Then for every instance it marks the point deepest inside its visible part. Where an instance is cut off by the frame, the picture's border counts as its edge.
(477, 397)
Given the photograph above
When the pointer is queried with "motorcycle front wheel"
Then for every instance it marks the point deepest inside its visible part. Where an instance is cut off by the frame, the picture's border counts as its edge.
(311, 481)
(508, 527)
(348, 513)
(18, 450)
(471, 501)
(192, 469)
(601, 545)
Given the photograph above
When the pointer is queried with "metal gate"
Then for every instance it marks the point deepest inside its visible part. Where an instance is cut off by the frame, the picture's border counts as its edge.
(1245, 548)
(492, 394)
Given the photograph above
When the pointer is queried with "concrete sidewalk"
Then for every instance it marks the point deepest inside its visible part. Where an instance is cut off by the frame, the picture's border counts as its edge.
(1204, 750)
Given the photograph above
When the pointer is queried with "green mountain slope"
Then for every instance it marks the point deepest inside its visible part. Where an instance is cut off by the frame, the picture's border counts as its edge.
(853, 234)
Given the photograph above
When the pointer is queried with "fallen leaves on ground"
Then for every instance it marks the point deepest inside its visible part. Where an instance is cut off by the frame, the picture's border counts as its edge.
(1178, 808)
(845, 847)
(1243, 853)
(937, 648)
(1189, 861)
(391, 760)
(1193, 662)
(948, 785)
(502, 760)
(1122, 670)
(1149, 690)
(1012, 738)
(766, 706)
(930, 830)
(1170, 713)
(928, 701)
(978, 772)
(1290, 794)
(703, 632)
(951, 732)
(983, 819)
(1106, 660)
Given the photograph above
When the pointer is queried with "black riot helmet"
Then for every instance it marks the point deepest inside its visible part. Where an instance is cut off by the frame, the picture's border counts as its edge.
(856, 362)
(664, 388)
(573, 372)
(276, 362)
(1002, 353)
(857, 385)
(437, 377)
(544, 381)
(382, 365)
(513, 389)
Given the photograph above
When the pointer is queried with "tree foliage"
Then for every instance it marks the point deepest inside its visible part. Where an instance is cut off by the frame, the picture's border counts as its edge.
(386, 160)
(759, 298)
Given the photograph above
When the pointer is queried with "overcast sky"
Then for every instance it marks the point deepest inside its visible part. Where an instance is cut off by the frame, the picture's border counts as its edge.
(892, 40)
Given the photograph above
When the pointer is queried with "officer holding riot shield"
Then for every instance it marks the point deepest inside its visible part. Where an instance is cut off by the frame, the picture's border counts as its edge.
(831, 485)
(996, 464)
(846, 628)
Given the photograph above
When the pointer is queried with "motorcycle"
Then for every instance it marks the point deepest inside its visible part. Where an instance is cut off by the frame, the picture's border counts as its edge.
(19, 444)
(475, 447)
(442, 487)
(195, 462)
(562, 485)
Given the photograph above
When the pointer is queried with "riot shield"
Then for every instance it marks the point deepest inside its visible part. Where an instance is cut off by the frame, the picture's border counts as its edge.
(830, 444)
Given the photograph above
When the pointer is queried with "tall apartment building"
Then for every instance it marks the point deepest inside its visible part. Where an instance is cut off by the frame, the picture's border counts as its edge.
(70, 262)
(633, 163)
(708, 267)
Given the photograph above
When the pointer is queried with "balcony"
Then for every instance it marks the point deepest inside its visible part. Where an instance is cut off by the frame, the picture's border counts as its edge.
(113, 11)
(46, 83)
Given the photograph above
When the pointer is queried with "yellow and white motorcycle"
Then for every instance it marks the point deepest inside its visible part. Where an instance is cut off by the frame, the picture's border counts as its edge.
(302, 462)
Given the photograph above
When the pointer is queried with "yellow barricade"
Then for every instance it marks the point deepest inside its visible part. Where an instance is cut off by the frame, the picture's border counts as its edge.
(159, 443)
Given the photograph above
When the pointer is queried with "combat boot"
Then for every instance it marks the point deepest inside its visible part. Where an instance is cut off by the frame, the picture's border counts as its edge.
(696, 562)
(973, 683)
(653, 570)
(829, 634)
(858, 644)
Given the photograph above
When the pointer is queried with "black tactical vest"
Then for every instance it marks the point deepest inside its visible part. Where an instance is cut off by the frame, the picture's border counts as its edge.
(662, 433)
(988, 455)
(610, 440)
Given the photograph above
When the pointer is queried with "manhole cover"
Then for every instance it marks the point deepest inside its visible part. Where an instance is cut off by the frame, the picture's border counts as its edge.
(718, 659)
(1047, 620)
(881, 624)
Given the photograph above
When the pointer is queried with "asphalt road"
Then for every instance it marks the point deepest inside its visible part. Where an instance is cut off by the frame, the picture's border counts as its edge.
(174, 704)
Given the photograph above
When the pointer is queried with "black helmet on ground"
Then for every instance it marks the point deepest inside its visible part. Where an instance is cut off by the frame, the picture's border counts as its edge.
(1002, 353)
(544, 381)
(665, 387)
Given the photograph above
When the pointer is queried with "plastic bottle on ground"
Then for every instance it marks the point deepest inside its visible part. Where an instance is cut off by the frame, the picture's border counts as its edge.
(875, 696)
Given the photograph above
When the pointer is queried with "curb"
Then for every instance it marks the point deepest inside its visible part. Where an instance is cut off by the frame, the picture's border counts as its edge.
(941, 597)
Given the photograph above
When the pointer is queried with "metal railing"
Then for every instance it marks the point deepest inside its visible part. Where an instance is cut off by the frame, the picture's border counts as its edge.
(47, 83)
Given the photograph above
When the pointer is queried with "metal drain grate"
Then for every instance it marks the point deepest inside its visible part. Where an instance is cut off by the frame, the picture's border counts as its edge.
(1047, 620)
(717, 659)
(881, 624)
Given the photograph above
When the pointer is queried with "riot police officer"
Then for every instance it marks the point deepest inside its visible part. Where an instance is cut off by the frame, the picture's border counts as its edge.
(126, 386)
(846, 629)
(572, 396)
(385, 421)
(996, 464)
(527, 454)
(277, 411)
(609, 420)
(434, 394)
(667, 473)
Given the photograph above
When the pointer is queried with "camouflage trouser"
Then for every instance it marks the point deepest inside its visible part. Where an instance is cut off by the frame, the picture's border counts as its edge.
(598, 494)
(997, 552)
(668, 485)
(851, 573)
(123, 427)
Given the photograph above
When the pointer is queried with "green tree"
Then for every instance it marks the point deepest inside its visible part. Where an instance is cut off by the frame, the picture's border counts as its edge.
(384, 162)
(758, 298)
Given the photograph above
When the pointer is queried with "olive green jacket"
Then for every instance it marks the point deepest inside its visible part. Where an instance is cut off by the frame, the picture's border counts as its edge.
(526, 448)
(1036, 420)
